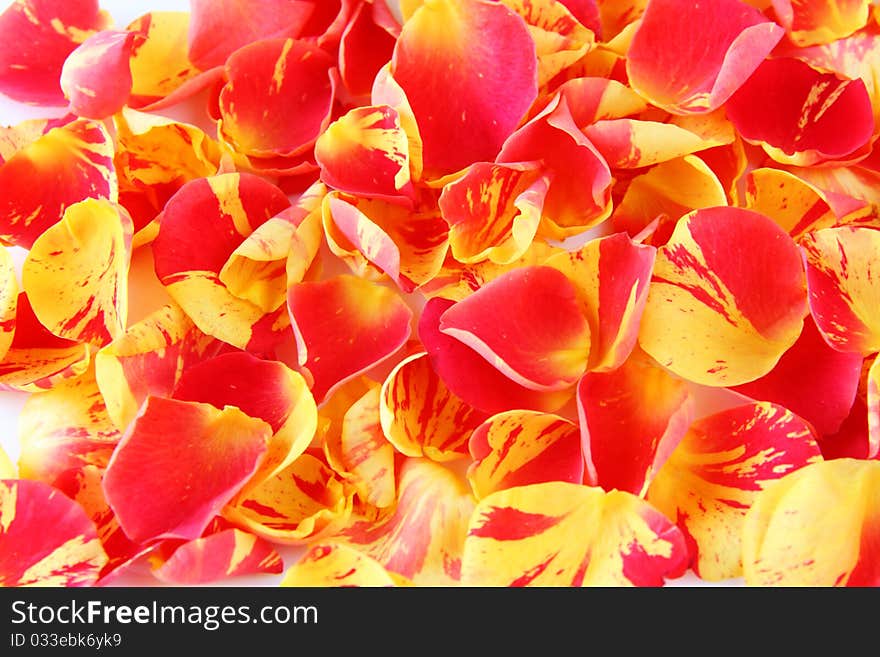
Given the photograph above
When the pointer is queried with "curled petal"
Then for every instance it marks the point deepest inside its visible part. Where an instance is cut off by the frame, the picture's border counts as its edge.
(366, 152)
(46, 539)
(844, 287)
(420, 416)
(611, 275)
(808, 116)
(344, 326)
(518, 448)
(711, 479)
(96, 78)
(630, 421)
(689, 57)
(68, 164)
(421, 538)
(267, 80)
(36, 38)
(579, 192)
(301, 503)
(818, 526)
(362, 454)
(811, 379)
(493, 210)
(528, 324)
(179, 464)
(713, 317)
(76, 273)
(228, 553)
(592, 99)
(202, 225)
(148, 359)
(466, 99)
(336, 564)
(809, 22)
(262, 389)
(564, 534)
(470, 376)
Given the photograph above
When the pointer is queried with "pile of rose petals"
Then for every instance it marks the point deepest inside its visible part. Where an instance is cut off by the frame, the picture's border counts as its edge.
(455, 292)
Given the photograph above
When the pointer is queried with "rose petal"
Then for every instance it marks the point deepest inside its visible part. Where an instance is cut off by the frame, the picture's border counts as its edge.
(96, 78)
(336, 564)
(808, 22)
(8, 301)
(229, 553)
(366, 46)
(564, 534)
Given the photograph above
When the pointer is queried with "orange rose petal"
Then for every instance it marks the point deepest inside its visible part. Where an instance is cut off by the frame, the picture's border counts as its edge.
(517, 448)
(66, 165)
(630, 421)
(228, 553)
(465, 97)
(262, 389)
(179, 464)
(96, 78)
(564, 534)
(46, 539)
(76, 273)
(711, 479)
(807, 116)
(266, 81)
(344, 326)
(816, 527)
(809, 22)
(301, 503)
(421, 538)
(714, 318)
(844, 289)
(690, 57)
(336, 565)
(611, 275)
(528, 324)
(420, 416)
(36, 37)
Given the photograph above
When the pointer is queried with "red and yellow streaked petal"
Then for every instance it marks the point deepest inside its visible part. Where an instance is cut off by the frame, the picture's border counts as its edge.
(37, 359)
(796, 205)
(528, 324)
(366, 45)
(301, 503)
(421, 538)
(818, 526)
(630, 420)
(689, 57)
(714, 318)
(335, 565)
(807, 116)
(76, 273)
(714, 475)
(494, 210)
(7, 468)
(811, 379)
(178, 464)
(470, 376)
(36, 38)
(580, 189)
(8, 300)
(611, 275)
(46, 539)
(268, 80)
(517, 448)
(420, 416)
(810, 22)
(68, 164)
(465, 98)
(592, 99)
(366, 152)
(844, 286)
(96, 78)
(148, 359)
(344, 326)
(564, 534)
(262, 389)
(361, 454)
(64, 429)
(228, 553)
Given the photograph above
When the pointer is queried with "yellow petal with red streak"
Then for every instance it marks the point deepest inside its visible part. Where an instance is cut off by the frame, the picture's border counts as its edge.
(336, 564)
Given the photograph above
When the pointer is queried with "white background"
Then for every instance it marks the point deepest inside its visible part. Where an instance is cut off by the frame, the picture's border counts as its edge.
(123, 13)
